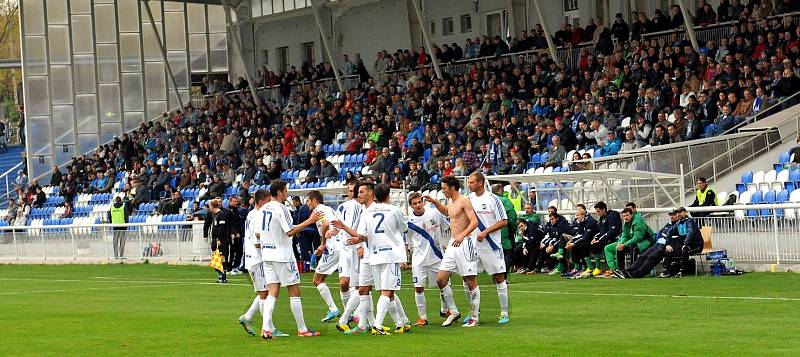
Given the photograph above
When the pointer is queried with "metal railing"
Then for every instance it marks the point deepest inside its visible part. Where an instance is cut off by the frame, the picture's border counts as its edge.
(9, 184)
(713, 32)
(762, 233)
(765, 233)
(272, 93)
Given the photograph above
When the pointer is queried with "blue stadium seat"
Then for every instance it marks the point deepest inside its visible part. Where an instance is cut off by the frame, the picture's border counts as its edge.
(754, 199)
(747, 177)
(710, 130)
(789, 186)
(784, 158)
(740, 187)
(794, 175)
(769, 198)
(426, 154)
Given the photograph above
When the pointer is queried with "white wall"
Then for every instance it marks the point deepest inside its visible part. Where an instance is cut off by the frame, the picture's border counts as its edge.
(289, 32)
(370, 28)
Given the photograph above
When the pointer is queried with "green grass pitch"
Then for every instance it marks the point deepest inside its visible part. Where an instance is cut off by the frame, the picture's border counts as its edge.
(178, 310)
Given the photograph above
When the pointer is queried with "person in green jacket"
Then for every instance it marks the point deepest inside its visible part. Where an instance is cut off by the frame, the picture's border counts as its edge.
(634, 234)
(530, 215)
(508, 232)
(637, 216)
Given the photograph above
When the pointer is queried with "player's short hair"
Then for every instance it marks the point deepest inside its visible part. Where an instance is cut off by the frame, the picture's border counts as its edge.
(316, 196)
(369, 185)
(581, 205)
(261, 195)
(215, 203)
(277, 186)
(452, 182)
(413, 196)
(627, 210)
(478, 176)
(382, 192)
(601, 205)
(552, 214)
(553, 208)
(631, 205)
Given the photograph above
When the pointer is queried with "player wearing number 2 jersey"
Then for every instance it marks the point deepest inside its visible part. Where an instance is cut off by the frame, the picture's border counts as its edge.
(382, 229)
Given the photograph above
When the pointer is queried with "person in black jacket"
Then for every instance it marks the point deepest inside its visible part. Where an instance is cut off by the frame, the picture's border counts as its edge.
(650, 258)
(554, 230)
(610, 227)
(527, 253)
(218, 226)
(238, 217)
(689, 243)
(584, 228)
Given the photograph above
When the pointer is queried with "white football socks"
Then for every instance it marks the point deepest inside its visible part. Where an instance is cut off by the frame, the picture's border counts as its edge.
(383, 308)
(401, 313)
(325, 292)
(371, 310)
(475, 302)
(364, 307)
(502, 293)
(345, 295)
(420, 300)
(267, 306)
(253, 308)
(297, 311)
(350, 307)
(447, 296)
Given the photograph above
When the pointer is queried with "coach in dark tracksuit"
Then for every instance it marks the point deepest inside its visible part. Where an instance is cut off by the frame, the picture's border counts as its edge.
(527, 253)
(583, 229)
(650, 258)
(610, 227)
(554, 230)
(690, 242)
(218, 226)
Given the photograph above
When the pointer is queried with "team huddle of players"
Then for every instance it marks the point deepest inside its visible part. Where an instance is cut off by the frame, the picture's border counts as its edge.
(366, 241)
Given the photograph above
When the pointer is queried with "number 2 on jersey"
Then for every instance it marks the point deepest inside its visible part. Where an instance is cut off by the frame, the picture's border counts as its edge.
(378, 226)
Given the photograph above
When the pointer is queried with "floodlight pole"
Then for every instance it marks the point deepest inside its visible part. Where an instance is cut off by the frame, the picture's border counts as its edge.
(163, 52)
(317, 20)
(237, 41)
(427, 37)
(550, 45)
(688, 25)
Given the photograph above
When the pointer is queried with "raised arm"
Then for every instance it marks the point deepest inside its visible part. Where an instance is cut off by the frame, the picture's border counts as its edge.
(439, 206)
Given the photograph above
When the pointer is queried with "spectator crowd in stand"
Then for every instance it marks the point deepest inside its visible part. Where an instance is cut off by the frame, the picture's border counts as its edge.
(413, 127)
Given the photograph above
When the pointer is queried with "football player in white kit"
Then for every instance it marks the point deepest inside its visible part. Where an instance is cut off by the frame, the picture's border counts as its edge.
(349, 212)
(425, 228)
(280, 266)
(328, 252)
(382, 228)
(459, 257)
(253, 262)
(491, 219)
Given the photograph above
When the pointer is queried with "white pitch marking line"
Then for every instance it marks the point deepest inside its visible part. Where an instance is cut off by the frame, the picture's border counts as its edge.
(766, 298)
(307, 286)
(70, 290)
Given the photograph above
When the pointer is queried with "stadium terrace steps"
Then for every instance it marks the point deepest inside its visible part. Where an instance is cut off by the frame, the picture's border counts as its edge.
(9, 159)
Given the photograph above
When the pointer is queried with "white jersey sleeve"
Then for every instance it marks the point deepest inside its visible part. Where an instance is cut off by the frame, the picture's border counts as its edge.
(252, 255)
(349, 213)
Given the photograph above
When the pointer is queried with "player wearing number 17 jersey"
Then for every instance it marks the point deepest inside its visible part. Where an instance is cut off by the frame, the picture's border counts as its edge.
(425, 227)
(280, 267)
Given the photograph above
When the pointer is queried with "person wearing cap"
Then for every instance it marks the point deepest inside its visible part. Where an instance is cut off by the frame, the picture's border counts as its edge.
(648, 260)
(689, 242)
